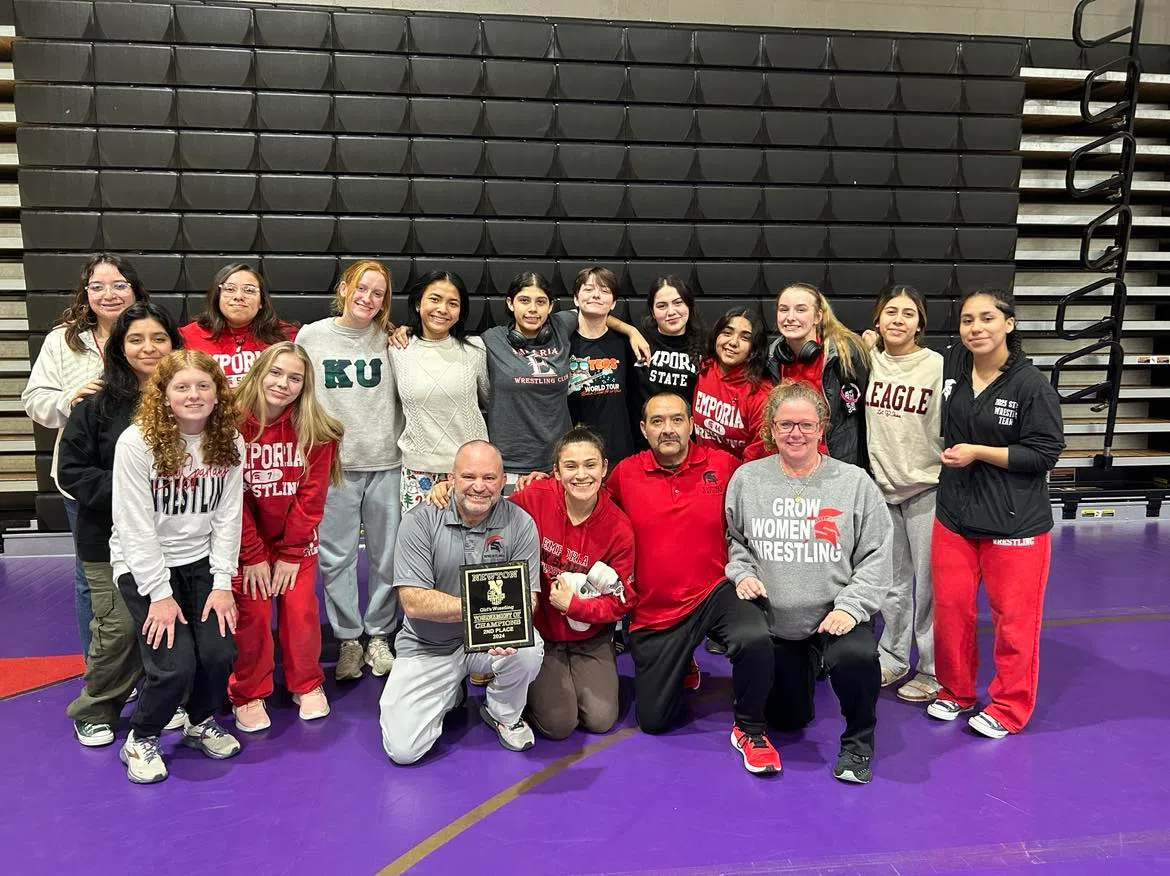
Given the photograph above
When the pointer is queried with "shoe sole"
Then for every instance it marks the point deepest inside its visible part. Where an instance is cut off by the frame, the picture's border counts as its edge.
(348, 676)
(130, 776)
(482, 681)
(915, 694)
(755, 771)
(494, 725)
(90, 742)
(949, 716)
(309, 716)
(988, 732)
(251, 728)
(895, 679)
(850, 777)
(197, 744)
(376, 673)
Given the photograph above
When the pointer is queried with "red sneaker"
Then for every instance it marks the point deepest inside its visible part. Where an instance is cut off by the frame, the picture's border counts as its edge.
(693, 678)
(759, 756)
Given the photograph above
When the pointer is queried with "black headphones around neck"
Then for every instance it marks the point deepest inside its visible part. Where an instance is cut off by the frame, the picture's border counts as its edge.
(811, 349)
(517, 340)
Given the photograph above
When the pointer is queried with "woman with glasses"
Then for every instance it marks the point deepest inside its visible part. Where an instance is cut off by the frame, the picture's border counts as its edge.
(238, 321)
(809, 541)
(69, 368)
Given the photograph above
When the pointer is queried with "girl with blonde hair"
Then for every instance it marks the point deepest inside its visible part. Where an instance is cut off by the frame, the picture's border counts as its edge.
(177, 496)
(290, 460)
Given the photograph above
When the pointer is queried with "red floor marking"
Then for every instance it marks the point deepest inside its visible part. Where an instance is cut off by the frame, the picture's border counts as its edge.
(20, 674)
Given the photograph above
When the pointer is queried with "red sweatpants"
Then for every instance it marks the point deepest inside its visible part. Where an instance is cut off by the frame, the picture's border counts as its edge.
(1015, 572)
(298, 623)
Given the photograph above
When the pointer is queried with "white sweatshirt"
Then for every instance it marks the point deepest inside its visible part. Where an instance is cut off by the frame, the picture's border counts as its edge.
(903, 413)
(163, 522)
(56, 375)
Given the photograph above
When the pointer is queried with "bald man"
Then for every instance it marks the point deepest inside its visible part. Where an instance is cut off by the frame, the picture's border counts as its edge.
(427, 681)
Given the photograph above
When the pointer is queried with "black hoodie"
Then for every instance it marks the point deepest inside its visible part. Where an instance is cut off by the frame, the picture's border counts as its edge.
(85, 469)
(1019, 410)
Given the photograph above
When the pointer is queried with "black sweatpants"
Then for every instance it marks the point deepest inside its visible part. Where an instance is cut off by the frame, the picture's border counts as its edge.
(200, 661)
(662, 657)
(852, 664)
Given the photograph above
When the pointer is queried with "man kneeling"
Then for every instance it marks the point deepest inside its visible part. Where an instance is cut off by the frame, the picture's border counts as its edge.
(427, 681)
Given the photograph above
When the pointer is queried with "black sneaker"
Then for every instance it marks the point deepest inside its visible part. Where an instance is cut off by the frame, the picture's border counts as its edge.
(714, 647)
(852, 768)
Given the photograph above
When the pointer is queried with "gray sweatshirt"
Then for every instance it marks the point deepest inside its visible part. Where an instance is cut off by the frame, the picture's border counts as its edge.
(829, 548)
(352, 367)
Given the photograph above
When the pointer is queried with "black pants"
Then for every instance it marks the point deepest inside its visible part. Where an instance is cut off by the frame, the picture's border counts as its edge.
(851, 661)
(200, 661)
(662, 657)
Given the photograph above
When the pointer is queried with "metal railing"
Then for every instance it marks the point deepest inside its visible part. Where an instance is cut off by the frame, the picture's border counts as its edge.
(1114, 192)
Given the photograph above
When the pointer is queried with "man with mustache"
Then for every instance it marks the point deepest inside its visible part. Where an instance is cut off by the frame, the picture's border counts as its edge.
(673, 494)
(427, 681)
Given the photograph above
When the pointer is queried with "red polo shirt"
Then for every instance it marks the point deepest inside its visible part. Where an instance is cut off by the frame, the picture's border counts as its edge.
(679, 530)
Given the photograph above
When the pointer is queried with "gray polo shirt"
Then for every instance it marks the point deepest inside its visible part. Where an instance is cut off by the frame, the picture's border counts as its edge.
(433, 543)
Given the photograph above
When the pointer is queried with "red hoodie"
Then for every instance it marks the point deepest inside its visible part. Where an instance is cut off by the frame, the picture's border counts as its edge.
(235, 350)
(282, 503)
(606, 536)
(729, 410)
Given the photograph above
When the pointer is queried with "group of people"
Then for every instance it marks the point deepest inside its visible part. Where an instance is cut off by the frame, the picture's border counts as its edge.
(687, 485)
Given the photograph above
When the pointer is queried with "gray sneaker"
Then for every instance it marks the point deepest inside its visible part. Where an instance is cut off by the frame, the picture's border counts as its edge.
(853, 768)
(350, 661)
(987, 726)
(178, 720)
(143, 759)
(517, 737)
(211, 739)
(378, 656)
(93, 735)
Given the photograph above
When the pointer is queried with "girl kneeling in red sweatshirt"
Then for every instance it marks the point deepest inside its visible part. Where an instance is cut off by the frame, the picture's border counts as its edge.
(290, 458)
(586, 585)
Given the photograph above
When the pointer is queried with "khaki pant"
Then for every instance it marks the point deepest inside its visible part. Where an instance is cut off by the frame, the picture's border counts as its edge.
(577, 685)
(113, 664)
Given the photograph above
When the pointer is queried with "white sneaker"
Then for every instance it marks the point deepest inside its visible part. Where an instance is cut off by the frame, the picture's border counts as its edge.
(178, 720)
(251, 717)
(947, 710)
(349, 661)
(93, 735)
(313, 704)
(211, 739)
(987, 726)
(143, 759)
(378, 656)
(517, 737)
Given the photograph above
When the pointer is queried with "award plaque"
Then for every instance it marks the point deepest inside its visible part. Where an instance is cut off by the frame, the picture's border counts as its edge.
(497, 606)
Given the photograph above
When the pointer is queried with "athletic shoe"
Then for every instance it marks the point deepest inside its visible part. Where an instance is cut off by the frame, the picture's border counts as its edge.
(987, 726)
(517, 737)
(313, 704)
(922, 688)
(889, 676)
(133, 695)
(143, 759)
(694, 677)
(714, 647)
(852, 768)
(211, 739)
(349, 661)
(93, 735)
(178, 720)
(759, 756)
(251, 717)
(946, 710)
(619, 642)
(481, 679)
(378, 656)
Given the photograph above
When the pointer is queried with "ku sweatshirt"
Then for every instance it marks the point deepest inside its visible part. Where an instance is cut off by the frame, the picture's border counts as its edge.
(729, 411)
(283, 499)
(604, 536)
(235, 350)
(164, 522)
(352, 367)
(817, 543)
(903, 410)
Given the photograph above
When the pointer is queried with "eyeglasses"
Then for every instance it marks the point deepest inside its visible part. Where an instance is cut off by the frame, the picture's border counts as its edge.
(808, 427)
(119, 286)
(232, 289)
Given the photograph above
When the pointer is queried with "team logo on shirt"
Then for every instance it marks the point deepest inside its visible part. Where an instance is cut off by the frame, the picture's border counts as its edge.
(710, 483)
(337, 373)
(851, 395)
(493, 547)
(948, 387)
(798, 531)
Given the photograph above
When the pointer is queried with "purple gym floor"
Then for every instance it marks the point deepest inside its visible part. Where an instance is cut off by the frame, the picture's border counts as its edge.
(1085, 789)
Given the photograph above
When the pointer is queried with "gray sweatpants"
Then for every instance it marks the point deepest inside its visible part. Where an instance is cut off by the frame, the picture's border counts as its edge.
(909, 607)
(370, 498)
(424, 686)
